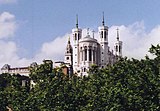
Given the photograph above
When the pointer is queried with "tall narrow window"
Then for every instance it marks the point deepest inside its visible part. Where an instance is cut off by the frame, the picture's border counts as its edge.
(82, 55)
(119, 48)
(116, 48)
(85, 51)
(78, 36)
(84, 69)
(105, 35)
(75, 36)
(93, 55)
(90, 55)
(102, 34)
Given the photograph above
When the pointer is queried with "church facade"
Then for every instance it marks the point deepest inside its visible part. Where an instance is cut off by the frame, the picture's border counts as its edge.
(87, 50)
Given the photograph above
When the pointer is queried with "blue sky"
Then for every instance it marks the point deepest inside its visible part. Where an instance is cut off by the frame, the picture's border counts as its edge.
(41, 22)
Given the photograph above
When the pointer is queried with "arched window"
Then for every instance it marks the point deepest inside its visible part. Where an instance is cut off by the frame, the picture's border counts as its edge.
(81, 51)
(90, 55)
(84, 69)
(119, 48)
(75, 36)
(102, 34)
(85, 51)
(82, 55)
(70, 50)
(105, 35)
(78, 36)
(116, 48)
(94, 55)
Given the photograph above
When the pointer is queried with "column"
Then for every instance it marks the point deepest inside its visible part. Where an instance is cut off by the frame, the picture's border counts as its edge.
(92, 56)
(83, 54)
(95, 53)
(87, 53)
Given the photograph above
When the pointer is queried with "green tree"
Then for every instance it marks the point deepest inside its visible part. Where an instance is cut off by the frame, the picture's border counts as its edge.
(128, 85)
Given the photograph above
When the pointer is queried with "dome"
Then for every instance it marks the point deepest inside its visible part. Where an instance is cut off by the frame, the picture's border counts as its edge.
(87, 39)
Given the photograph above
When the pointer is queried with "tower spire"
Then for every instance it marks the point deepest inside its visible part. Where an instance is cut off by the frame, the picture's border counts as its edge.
(103, 19)
(87, 31)
(69, 40)
(77, 21)
(117, 34)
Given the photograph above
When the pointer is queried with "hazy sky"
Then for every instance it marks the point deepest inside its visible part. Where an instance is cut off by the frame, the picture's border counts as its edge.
(33, 30)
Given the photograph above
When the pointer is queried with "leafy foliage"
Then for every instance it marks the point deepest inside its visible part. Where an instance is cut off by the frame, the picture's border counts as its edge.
(128, 85)
(12, 93)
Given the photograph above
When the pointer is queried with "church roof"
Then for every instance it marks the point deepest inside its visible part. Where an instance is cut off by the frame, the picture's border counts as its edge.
(6, 66)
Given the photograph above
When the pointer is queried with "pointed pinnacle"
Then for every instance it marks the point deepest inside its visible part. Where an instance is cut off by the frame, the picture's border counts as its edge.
(69, 40)
(117, 34)
(103, 19)
(76, 21)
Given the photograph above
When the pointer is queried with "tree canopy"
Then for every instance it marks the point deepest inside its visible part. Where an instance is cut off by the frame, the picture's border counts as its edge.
(128, 85)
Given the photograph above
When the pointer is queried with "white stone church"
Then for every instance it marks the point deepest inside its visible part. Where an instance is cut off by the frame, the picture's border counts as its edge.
(87, 50)
(83, 53)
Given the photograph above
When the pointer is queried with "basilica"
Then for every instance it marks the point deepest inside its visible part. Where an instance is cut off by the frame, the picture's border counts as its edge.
(82, 54)
(86, 51)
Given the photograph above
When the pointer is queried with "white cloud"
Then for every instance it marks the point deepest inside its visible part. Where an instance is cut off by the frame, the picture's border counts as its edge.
(54, 49)
(9, 55)
(8, 25)
(136, 41)
(7, 1)
(9, 49)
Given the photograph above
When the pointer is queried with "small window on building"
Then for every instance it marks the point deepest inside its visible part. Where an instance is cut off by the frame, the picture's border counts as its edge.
(82, 55)
(84, 69)
(85, 51)
(94, 56)
(119, 49)
(23, 82)
(102, 66)
(75, 36)
(67, 58)
(102, 34)
(90, 55)
(78, 36)
(116, 48)
(105, 35)
(102, 52)
(75, 54)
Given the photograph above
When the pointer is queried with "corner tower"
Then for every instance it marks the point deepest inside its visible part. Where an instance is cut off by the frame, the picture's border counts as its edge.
(118, 46)
(103, 34)
(69, 54)
(77, 35)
